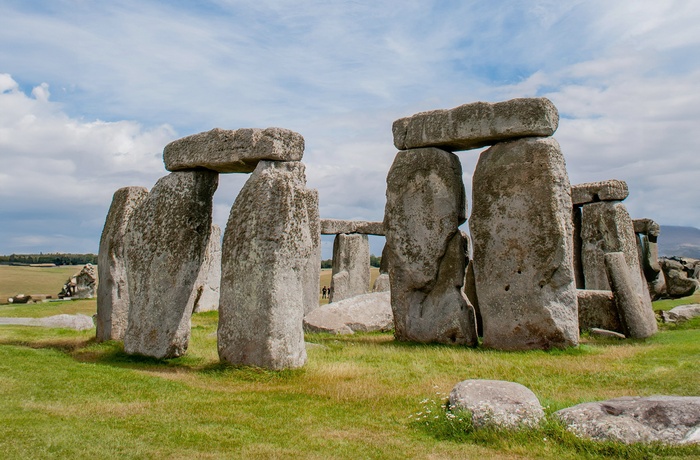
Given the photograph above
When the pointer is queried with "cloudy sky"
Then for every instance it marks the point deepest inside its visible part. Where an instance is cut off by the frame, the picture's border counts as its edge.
(91, 92)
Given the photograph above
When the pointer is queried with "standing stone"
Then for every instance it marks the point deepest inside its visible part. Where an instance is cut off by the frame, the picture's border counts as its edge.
(112, 291)
(209, 280)
(635, 311)
(382, 283)
(648, 251)
(578, 244)
(267, 246)
(475, 125)
(425, 205)
(165, 245)
(312, 273)
(351, 271)
(523, 261)
(607, 227)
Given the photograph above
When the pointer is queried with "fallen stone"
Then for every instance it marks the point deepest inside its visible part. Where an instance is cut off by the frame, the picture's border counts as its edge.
(425, 205)
(351, 273)
(165, 244)
(635, 310)
(77, 322)
(681, 313)
(363, 313)
(475, 125)
(337, 226)
(497, 403)
(597, 309)
(267, 245)
(606, 333)
(592, 192)
(112, 291)
(678, 282)
(233, 151)
(382, 283)
(665, 419)
(85, 282)
(522, 232)
(209, 280)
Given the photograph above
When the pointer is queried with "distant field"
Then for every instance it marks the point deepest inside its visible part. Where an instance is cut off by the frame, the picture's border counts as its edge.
(33, 280)
(326, 281)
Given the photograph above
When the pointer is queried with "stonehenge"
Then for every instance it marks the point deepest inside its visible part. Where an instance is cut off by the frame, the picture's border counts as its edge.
(548, 258)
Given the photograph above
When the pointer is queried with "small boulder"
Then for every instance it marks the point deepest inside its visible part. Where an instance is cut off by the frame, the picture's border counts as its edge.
(497, 403)
(666, 419)
(362, 313)
(681, 313)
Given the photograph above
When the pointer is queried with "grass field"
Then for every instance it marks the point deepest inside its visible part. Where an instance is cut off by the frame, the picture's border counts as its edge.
(33, 280)
(62, 395)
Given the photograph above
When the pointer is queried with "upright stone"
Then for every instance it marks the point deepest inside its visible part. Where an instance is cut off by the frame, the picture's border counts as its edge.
(112, 290)
(233, 151)
(425, 205)
(209, 280)
(475, 125)
(267, 246)
(522, 232)
(165, 244)
(636, 315)
(350, 275)
(312, 273)
(648, 251)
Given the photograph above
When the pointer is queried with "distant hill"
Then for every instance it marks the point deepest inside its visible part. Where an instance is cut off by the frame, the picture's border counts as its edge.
(679, 241)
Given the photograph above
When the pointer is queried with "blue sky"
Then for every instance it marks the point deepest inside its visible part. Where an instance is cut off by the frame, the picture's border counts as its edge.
(90, 93)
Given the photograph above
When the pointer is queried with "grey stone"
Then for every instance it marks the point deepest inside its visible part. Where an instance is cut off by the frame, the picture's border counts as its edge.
(578, 247)
(597, 309)
(312, 272)
(635, 310)
(472, 297)
(678, 283)
(497, 403)
(478, 124)
(681, 313)
(606, 333)
(665, 419)
(351, 273)
(425, 205)
(86, 282)
(382, 283)
(233, 151)
(112, 291)
(647, 227)
(338, 226)
(165, 245)
(523, 244)
(591, 192)
(268, 242)
(363, 313)
(648, 254)
(209, 280)
(76, 322)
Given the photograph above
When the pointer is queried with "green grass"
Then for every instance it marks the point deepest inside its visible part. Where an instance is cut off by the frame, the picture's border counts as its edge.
(33, 280)
(667, 304)
(62, 395)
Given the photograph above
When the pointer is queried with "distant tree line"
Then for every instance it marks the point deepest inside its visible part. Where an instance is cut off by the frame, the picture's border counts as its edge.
(56, 258)
(374, 261)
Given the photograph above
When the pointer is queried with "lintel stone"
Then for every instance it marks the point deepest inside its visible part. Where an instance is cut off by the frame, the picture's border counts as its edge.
(233, 151)
(338, 226)
(591, 192)
(647, 227)
(478, 124)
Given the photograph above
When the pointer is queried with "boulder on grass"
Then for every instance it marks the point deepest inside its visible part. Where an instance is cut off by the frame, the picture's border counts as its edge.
(362, 313)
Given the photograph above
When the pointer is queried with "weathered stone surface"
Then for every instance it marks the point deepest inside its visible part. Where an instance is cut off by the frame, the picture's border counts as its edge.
(112, 291)
(522, 232)
(382, 283)
(86, 282)
(312, 272)
(351, 273)
(591, 192)
(472, 297)
(208, 282)
(425, 205)
(497, 403)
(363, 313)
(233, 151)
(647, 227)
(607, 227)
(338, 226)
(681, 313)
(634, 309)
(666, 419)
(165, 243)
(475, 125)
(268, 242)
(648, 254)
(597, 309)
(678, 282)
(76, 322)
(606, 333)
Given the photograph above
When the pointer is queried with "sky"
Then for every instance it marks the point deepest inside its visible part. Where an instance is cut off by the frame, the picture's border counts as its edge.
(91, 92)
